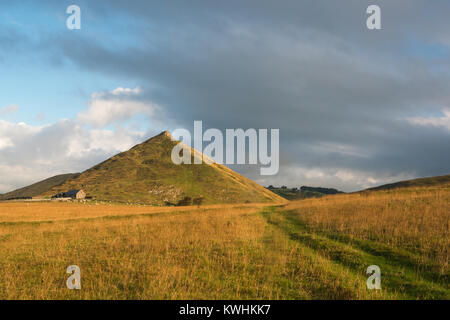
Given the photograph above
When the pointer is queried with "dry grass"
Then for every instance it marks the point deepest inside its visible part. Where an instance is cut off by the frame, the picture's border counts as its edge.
(57, 211)
(120, 256)
(416, 219)
(174, 253)
(310, 249)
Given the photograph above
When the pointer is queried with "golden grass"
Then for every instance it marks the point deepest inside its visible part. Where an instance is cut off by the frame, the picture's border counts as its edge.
(416, 219)
(56, 211)
(175, 253)
(248, 251)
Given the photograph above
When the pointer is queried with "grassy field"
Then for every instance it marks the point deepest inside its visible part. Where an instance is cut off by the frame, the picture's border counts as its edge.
(308, 249)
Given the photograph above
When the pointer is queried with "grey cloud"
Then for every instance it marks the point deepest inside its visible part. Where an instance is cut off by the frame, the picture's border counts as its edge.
(309, 68)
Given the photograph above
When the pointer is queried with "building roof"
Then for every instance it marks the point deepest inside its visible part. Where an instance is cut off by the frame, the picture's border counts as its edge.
(71, 193)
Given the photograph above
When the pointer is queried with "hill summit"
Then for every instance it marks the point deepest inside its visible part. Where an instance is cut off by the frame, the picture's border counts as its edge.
(146, 174)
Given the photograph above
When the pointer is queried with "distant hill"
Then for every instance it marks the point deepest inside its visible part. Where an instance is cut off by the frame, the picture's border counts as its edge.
(146, 174)
(38, 187)
(320, 190)
(421, 182)
(302, 193)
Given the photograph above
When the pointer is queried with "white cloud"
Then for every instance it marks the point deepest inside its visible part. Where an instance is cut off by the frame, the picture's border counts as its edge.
(362, 179)
(443, 122)
(120, 90)
(342, 179)
(314, 173)
(5, 111)
(11, 174)
(114, 106)
(345, 175)
(5, 142)
(31, 153)
(84, 142)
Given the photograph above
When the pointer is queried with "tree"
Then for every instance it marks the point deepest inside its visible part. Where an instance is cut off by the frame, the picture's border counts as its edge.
(197, 201)
(186, 201)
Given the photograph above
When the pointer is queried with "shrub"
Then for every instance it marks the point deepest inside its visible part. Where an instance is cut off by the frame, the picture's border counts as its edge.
(197, 201)
(186, 201)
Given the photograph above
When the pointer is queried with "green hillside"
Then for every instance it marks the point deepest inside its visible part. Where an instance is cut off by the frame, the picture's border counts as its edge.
(146, 174)
(38, 187)
(421, 182)
(303, 193)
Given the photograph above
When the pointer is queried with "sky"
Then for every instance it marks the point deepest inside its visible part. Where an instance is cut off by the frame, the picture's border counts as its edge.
(355, 107)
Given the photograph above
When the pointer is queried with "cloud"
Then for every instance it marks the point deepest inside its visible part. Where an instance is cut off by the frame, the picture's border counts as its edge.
(342, 179)
(118, 105)
(442, 122)
(5, 142)
(349, 102)
(8, 110)
(30, 153)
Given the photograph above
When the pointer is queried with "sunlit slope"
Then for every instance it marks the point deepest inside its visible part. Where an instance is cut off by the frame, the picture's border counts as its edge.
(38, 187)
(421, 182)
(146, 174)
